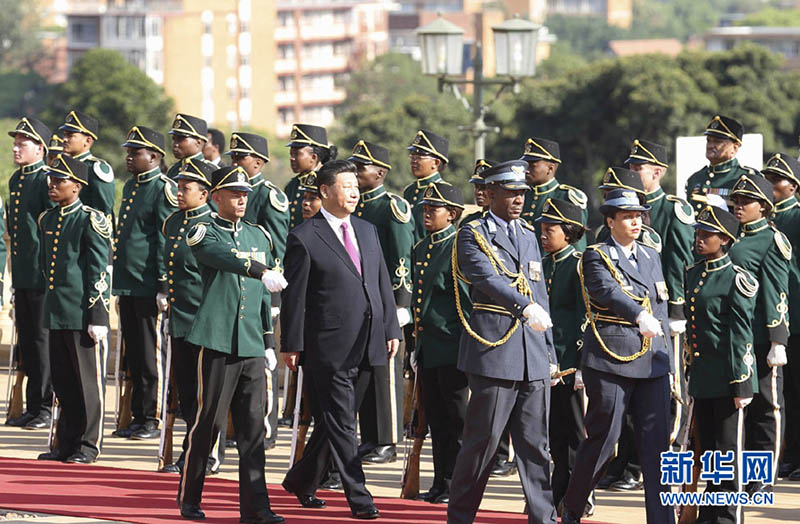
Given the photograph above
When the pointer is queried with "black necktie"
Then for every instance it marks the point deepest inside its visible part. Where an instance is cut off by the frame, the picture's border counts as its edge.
(632, 258)
(512, 235)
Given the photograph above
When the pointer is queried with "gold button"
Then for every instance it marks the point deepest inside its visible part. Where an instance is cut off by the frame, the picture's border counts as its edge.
(170, 272)
(172, 299)
(170, 282)
(51, 287)
(171, 290)
(696, 353)
(419, 301)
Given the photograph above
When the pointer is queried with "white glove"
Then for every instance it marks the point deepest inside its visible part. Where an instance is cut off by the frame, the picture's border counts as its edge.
(271, 360)
(412, 361)
(403, 316)
(676, 327)
(553, 370)
(97, 333)
(275, 311)
(578, 380)
(13, 297)
(777, 355)
(649, 326)
(274, 280)
(162, 301)
(742, 402)
(537, 317)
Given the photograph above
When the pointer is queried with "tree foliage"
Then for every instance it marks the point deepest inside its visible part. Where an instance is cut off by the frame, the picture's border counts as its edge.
(772, 17)
(118, 94)
(20, 46)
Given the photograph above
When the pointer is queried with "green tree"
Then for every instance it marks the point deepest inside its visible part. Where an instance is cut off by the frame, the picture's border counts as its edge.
(772, 17)
(118, 94)
(20, 45)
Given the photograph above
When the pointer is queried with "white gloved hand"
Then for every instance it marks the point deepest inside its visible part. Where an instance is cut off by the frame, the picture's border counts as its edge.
(97, 333)
(676, 327)
(553, 371)
(403, 316)
(777, 355)
(162, 301)
(274, 281)
(13, 296)
(578, 380)
(270, 359)
(412, 361)
(537, 317)
(742, 402)
(649, 326)
(275, 311)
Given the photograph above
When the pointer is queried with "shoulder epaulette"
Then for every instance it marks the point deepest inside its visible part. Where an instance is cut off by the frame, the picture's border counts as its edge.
(577, 254)
(169, 187)
(650, 238)
(527, 225)
(595, 247)
(575, 195)
(682, 209)
(164, 223)
(99, 222)
(784, 246)
(263, 230)
(401, 209)
(196, 234)
(746, 283)
(277, 198)
(474, 223)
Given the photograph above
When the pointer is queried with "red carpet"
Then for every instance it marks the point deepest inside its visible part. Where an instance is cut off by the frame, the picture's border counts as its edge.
(146, 497)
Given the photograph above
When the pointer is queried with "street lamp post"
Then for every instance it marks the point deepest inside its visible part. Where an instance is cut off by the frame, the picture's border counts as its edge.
(441, 43)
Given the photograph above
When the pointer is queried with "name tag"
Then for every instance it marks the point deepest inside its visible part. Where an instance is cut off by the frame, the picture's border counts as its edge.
(663, 292)
(535, 270)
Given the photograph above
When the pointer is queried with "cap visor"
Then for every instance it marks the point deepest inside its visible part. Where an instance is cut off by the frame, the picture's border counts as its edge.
(434, 203)
(706, 227)
(548, 220)
(631, 160)
(513, 185)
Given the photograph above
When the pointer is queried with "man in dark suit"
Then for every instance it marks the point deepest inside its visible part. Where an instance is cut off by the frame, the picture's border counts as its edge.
(506, 350)
(338, 329)
(625, 362)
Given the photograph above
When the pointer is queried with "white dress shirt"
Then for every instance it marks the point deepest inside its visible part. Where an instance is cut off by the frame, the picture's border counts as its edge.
(628, 251)
(336, 225)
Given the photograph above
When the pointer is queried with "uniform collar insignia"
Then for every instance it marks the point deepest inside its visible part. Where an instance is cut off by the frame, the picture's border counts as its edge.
(372, 194)
(548, 186)
(424, 181)
(66, 210)
(658, 194)
(442, 234)
(563, 253)
(198, 211)
(32, 168)
(754, 226)
(724, 167)
(82, 156)
(147, 176)
(226, 224)
(717, 263)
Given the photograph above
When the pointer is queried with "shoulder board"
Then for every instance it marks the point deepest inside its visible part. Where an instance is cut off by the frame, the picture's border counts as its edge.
(651, 239)
(746, 283)
(526, 225)
(263, 230)
(401, 209)
(99, 222)
(196, 234)
(575, 195)
(577, 254)
(170, 193)
(277, 197)
(783, 244)
(474, 223)
(102, 169)
(595, 247)
(164, 224)
(683, 210)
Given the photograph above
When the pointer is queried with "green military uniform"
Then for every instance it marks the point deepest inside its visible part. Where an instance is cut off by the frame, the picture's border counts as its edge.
(3, 248)
(75, 242)
(28, 199)
(477, 180)
(267, 206)
(304, 135)
(538, 195)
(567, 310)
(294, 193)
(787, 221)
(175, 168)
(412, 194)
(187, 125)
(99, 194)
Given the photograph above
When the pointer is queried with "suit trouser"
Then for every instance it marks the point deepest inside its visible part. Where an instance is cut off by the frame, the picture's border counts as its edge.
(333, 404)
(524, 405)
(791, 392)
(33, 341)
(445, 399)
(610, 396)
(719, 428)
(229, 382)
(765, 415)
(626, 458)
(146, 355)
(566, 433)
(78, 374)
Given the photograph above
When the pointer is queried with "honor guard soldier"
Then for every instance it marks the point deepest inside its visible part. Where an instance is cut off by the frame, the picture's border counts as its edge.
(562, 226)
(311, 199)
(543, 158)
(506, 349)
(80, 133)
(27, 199)
(783, 171)
(189, 136)
(140, 276)
(268, 207)
(76, 240)
(381, 413)
(56, 146)
(185, 287)
(428, 157)
(672, 218)
(723, 139)
(437, 330)
(479, 188)
(766, 253)
(233, 327)
(722, 300)
(625, 360)
(308, 150)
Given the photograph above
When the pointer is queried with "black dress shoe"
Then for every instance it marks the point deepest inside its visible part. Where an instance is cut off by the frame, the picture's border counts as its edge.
(381, 455)
(310, 501)
(503, 468)
(265, 517)
(192, 512)
(148, 431)
(20, 421)
(38, 422)
(444, 498)
(53, 455)
(79, 457)
(606, 481)
(285, 422)
(626, 483)
(369, 513)
(568, 518)
(171, 468)
(127, 432)
(786, 469)
(794, 475)
(332, 482)
(431, 494)
(230, 443)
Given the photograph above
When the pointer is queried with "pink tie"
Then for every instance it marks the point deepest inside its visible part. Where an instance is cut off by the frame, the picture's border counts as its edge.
(350, 248)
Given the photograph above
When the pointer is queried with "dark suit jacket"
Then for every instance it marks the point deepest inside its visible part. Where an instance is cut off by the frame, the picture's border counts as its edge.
(623, 338)
(497, 304)
(329, 311)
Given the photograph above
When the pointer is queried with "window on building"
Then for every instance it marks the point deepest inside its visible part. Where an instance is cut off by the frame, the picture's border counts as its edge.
(342, 48)
(286, 114)
(285, 19)
(244, 26)
(286, 51)
(244, 60)
(83, 29)
(286, 83)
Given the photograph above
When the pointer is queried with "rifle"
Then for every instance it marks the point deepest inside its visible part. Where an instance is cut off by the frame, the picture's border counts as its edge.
(304, 423)
(14, 394)
(124, 388)
(296, 419)
(52, 436)
(416, 429)
(169, 408)
(691, 439)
